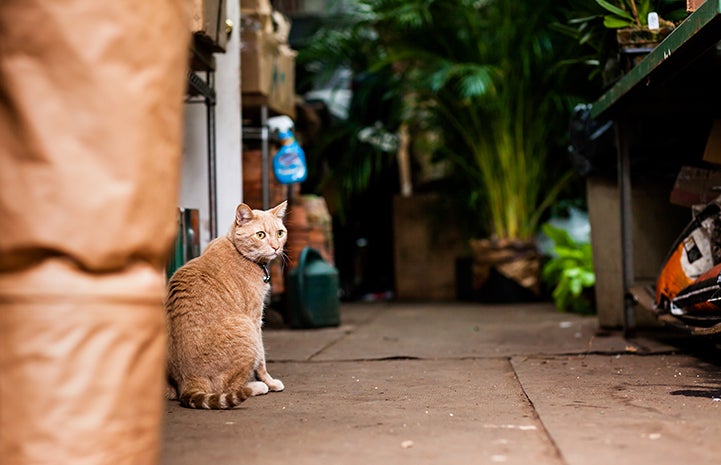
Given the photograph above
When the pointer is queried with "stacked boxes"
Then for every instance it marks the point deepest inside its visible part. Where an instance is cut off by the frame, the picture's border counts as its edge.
(267, 62)
(267, 68)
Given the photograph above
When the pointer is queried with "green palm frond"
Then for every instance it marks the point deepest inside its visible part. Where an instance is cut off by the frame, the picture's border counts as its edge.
(485, 74)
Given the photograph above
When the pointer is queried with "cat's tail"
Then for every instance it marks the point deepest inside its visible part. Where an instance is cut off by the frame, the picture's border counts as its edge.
(195, 398)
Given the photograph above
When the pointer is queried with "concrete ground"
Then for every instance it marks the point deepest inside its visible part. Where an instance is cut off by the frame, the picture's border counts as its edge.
(466, 384)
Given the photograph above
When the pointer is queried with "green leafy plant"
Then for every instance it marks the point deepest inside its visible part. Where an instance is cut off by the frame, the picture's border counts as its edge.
(634, 13)
(569, 271)
(485, 75)
(594, 23)
(342, 163)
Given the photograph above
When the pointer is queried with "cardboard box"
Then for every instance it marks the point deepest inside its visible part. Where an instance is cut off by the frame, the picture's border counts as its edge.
(267, 72)
(208, 22)
(257, 62)
(695, 186)
(282, 91)
(256, 22)
(303, 7)
(255, 6)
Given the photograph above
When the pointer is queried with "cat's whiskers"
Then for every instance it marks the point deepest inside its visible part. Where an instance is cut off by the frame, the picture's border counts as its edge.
(284, 259)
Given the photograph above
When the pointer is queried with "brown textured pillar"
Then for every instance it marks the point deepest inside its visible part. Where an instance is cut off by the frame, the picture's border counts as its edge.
(90, 136)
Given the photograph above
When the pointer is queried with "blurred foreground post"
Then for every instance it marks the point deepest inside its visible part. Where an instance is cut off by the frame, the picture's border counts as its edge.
(91, 97)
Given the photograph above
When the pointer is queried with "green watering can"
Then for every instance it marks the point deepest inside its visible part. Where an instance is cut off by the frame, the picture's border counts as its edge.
(312, 289)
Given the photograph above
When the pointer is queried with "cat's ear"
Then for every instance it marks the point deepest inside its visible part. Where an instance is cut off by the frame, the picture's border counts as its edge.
(279, 210)
(243, 214)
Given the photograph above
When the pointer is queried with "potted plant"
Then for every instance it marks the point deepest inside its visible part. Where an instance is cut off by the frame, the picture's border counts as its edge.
(634, 14)
(630, 18)
(483, 76)
(608, 27)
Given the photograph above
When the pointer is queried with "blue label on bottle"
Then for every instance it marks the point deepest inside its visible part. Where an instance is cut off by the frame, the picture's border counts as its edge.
(289, 164)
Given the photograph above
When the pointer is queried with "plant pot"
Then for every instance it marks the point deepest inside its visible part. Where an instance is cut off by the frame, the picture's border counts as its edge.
(505, 270)
(635, 43)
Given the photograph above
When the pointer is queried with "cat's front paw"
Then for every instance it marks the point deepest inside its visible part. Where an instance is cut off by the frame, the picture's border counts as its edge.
(258, 388)
(275, 385)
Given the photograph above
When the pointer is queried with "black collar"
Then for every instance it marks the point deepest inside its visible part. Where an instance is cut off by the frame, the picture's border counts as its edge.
(266, 274)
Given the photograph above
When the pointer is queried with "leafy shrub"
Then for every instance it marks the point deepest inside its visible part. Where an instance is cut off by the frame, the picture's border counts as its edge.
(569, 272)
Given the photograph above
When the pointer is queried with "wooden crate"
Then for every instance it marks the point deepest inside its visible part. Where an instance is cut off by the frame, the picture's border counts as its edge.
(424, 259)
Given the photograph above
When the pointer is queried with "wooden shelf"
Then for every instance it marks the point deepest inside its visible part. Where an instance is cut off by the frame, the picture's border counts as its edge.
(201, 55)
(253, 102)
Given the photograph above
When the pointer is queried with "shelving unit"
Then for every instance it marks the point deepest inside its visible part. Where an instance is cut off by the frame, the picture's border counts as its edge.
(203, 92)
(678, 79)
(261, 133)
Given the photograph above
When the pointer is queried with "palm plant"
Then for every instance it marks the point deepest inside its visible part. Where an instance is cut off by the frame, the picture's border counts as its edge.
(486, 74)
(487, 77)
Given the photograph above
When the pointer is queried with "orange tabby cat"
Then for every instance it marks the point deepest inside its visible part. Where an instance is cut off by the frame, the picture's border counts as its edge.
(214, 305)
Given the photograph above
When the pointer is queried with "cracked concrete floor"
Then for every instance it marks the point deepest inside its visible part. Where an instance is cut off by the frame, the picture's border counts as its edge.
(465, 383)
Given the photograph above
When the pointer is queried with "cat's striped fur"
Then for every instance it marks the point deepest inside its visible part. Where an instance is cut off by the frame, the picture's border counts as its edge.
(214, 305)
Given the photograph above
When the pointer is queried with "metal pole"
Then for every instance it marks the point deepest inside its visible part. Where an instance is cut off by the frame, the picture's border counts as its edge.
(264, 141)
(624, 186)
(212, 185)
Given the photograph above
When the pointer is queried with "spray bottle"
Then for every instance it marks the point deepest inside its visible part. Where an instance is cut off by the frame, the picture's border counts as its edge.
(289, 164)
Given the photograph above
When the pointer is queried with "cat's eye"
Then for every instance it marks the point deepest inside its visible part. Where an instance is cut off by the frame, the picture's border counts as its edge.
(281, 233)
(260, 234)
